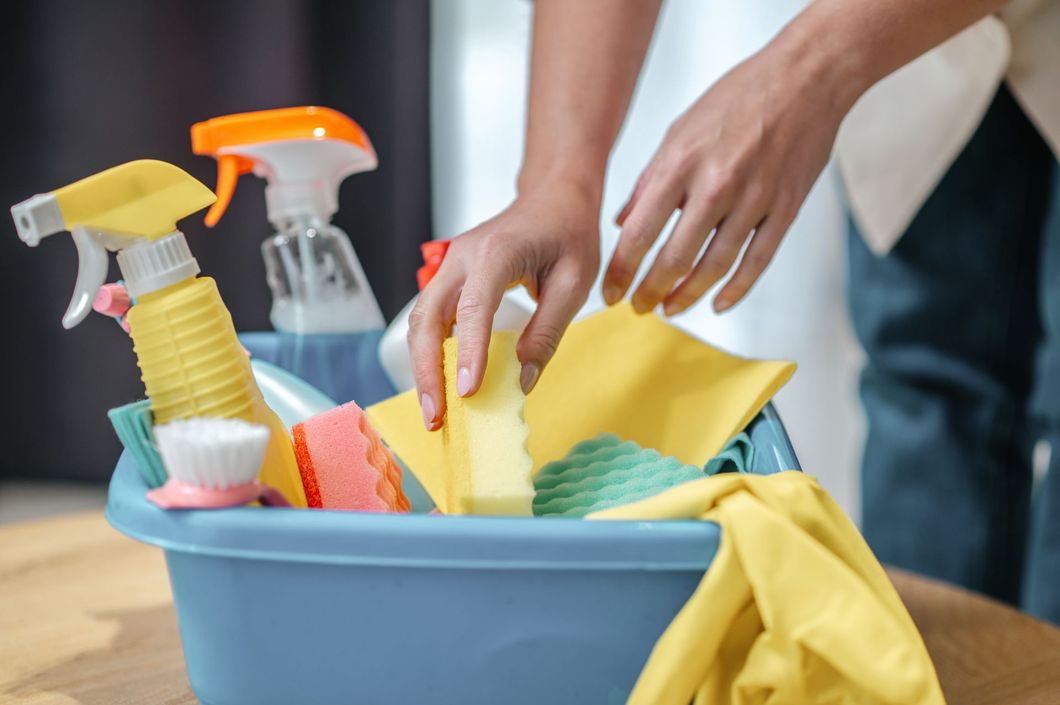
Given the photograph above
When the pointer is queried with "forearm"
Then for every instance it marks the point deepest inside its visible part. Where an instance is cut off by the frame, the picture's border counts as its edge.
(586, 58)
(849, 45)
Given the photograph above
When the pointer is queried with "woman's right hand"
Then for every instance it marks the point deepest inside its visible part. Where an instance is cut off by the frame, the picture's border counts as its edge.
(548, 239)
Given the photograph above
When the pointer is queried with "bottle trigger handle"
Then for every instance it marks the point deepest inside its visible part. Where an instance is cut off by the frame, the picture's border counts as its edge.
(229, 168)
(92, 266)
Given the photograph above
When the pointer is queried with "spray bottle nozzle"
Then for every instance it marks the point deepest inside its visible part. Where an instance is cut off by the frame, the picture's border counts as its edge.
(302, 152)
(113, 210)
(37, 217)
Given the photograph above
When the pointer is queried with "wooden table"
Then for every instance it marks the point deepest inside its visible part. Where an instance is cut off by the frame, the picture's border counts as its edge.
(86, 617)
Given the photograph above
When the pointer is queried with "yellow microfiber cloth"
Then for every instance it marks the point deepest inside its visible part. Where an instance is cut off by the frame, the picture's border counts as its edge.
(487, 465)
(794, 608)
(637, 377)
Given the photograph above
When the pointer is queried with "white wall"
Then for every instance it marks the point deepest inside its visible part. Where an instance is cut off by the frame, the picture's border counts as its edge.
(479, 67)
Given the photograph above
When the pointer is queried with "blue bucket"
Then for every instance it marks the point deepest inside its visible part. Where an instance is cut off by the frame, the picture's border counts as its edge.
(317, 607)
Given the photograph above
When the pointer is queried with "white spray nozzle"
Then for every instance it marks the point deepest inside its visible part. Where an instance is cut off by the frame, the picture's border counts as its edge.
(37, 217)
(40, 216)
(304, 175)
(135, 203)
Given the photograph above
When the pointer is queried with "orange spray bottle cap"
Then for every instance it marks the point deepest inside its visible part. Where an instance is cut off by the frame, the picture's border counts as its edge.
(303, 153)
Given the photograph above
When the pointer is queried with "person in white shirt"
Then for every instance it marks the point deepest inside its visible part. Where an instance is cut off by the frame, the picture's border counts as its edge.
(945, 120)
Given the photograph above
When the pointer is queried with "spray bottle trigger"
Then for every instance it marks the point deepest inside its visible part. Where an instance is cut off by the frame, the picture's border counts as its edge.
(92, 266)
(229, 168)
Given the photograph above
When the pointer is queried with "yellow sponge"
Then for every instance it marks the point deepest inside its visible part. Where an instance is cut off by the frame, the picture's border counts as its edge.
(487, 464)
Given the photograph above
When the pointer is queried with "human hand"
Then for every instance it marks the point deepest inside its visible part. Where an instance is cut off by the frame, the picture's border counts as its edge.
(548, 240)
(740, 160)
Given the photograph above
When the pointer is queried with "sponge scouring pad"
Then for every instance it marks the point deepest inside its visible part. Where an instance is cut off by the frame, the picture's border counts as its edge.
(488, 469)
(605, 472)
(344, 464)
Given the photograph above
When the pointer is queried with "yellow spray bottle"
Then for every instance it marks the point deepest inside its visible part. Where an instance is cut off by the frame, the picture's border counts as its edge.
(191, 361)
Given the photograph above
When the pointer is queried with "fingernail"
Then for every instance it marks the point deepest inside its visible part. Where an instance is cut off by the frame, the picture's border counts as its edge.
(528, 376)
(640, 307)
(463, 381)
(427, 405)
(670, 308)
(721, 304)
(612, 294)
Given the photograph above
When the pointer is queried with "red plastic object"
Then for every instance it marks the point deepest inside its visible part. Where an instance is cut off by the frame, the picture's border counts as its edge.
(433, 252)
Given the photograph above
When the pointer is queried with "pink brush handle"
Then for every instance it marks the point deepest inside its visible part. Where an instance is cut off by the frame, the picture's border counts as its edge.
(179, 495)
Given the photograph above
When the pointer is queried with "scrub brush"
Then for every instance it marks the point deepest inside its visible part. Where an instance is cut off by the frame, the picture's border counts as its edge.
(212, 463)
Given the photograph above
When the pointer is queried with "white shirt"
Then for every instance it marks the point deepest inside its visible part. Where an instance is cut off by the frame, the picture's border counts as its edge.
(901, 137)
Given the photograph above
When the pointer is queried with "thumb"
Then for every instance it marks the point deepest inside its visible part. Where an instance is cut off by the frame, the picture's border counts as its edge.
(562, 294)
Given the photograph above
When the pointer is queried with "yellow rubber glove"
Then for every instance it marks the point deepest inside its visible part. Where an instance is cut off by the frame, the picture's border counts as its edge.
(794, 609)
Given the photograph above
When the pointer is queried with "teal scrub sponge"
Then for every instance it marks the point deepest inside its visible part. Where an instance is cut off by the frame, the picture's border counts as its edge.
(605, 472)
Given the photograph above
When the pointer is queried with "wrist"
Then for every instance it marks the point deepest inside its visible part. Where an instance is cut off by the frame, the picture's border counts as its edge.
(582, 181)
(826, 59)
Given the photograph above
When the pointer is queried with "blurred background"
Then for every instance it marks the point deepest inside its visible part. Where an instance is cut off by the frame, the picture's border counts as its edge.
(439, 86)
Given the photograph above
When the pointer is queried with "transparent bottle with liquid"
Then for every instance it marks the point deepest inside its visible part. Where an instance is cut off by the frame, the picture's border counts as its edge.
(317, 282)
(303, 153)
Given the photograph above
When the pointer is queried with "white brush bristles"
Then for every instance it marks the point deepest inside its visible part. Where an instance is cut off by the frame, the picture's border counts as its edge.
(212, 453)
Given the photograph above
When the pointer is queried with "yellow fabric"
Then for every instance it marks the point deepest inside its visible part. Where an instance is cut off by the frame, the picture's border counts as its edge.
(794, 609)
(615, 372)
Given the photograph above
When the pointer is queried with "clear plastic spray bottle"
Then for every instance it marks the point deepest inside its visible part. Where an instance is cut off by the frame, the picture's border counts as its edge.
(317, 283)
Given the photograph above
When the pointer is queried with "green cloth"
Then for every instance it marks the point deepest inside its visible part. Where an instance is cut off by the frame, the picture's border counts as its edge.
(134, 423)
(737, 456)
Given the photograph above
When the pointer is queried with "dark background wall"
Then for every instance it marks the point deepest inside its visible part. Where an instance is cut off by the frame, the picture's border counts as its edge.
(92, 84)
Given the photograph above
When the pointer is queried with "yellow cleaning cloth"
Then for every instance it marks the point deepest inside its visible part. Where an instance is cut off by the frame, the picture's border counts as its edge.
(487, 466)
(637, 377)
(794, 609)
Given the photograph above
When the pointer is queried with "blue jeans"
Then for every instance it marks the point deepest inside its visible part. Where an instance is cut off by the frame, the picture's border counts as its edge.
(961, 326)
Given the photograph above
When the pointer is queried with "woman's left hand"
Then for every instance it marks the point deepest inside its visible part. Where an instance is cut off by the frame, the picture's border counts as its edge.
(738, 163)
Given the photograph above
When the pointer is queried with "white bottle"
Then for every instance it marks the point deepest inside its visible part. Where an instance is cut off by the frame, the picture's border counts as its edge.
(515, 311)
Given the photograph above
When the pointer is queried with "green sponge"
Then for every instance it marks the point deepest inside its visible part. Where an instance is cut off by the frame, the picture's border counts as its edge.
(605, 472)
(133, 424)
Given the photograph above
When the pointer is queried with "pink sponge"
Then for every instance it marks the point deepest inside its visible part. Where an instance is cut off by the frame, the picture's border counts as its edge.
(344, 464)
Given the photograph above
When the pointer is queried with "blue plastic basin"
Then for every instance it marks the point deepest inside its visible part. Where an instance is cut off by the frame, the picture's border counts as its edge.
(313, 607)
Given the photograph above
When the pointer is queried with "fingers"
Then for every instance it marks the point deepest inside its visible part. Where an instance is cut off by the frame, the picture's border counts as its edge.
(678, 255)
(717, 259)
(642, 180)
(429, 323)
(479, 300)
(562, 294)
(755, 259)
(641, 228)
